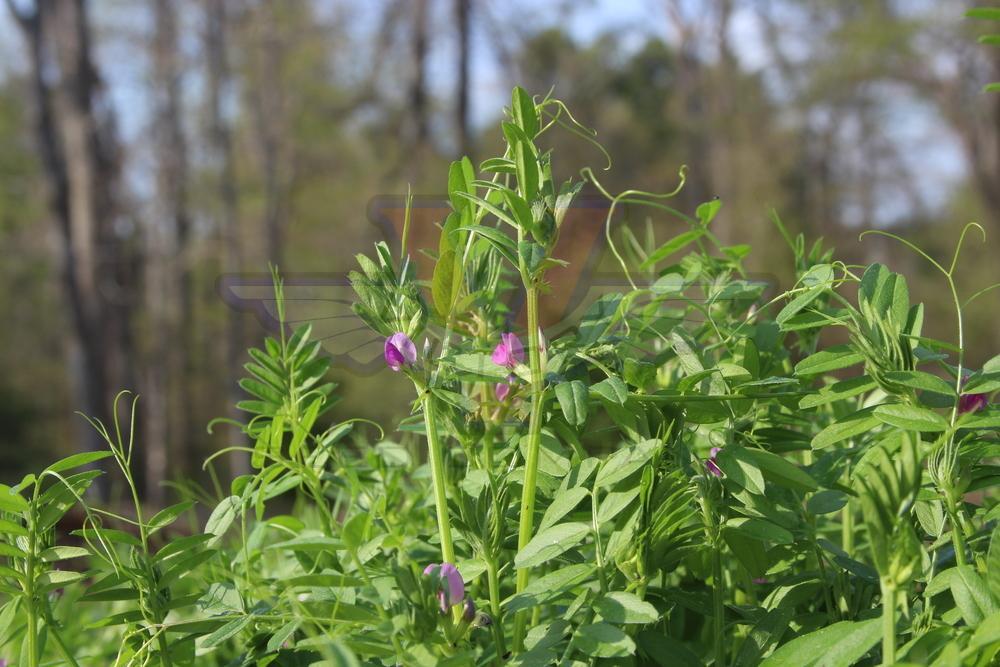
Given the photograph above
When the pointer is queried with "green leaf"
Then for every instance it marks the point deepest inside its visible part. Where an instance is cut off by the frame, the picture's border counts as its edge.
(683, 348)
(621, 608)
(168, 515)
(460, 179)
(839, 391)
(522, 111)
(739, 468)
(831, 359)
(460, 401)
(601, 640)
(613, 503)
(672, 246)
(972, 596)
(987, 419)
(765, 635)
(760, 529)
(282, 634)
(503, 243)
(12, 501)
(665, 651)
(53, 554)
(796, 305)
(850, 426)
(987, 13)
(838, 645)
(442, 282)
(549, 586)
(11, 528)
(993, 563)
(611, 389)
(671, 283)
(982, 383)
(910, 417)
(10, 551)
(564, 503)
(922, 381)
(551, 542)
(707, 211)
(76, 460)
(826, 502)
(780, 470)
(221, 519)
(480, 366)
(625, 462)
(750, 551)
(572, 398)
(226, 632)
(598, 318)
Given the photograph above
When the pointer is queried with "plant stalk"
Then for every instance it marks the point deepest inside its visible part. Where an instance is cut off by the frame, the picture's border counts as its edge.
(888, 623)
(493, 579)
(436, 456)
(957, 536)
(527, 513)
(718, 610)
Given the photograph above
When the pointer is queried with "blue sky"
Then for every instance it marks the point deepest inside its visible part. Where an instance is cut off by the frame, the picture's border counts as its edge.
(932, 152)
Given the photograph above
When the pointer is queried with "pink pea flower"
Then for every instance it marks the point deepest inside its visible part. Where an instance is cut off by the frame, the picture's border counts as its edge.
(972, 402)
(399, 351)
(710, 463)
(503, 388)
(509, 352)
(452, 587)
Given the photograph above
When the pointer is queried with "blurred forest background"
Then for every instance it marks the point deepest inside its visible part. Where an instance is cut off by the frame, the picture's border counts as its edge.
(149, 148)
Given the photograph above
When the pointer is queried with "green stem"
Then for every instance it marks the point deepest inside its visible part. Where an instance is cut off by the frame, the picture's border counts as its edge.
(493, 579)
(32, 618)
(712, 533)
(527, 514)
(29, 584)
(847, 529)
(957, 537)
(888, 623)
(718, 610)
(437, 478)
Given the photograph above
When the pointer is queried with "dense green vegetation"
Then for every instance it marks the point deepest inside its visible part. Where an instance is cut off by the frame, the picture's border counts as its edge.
(699, 472)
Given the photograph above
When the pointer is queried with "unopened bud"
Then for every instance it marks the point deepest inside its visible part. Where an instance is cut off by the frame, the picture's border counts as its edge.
(469, 610)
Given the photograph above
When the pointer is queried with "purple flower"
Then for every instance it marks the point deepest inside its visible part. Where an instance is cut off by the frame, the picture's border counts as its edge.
(710, 463)
(452, 587)
(503, 388)
(399, 351)
(509, 352)
(972, 402)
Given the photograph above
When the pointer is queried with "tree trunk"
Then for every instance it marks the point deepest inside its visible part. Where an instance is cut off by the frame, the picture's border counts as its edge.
(463, 10)
(76, 138)
(221, 143)
(269, 110)
(418, 82)
(167, 282)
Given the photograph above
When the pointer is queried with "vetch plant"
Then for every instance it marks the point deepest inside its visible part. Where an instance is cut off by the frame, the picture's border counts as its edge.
(697, 472)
